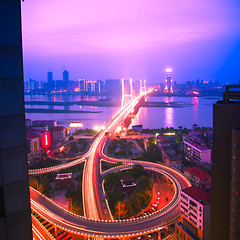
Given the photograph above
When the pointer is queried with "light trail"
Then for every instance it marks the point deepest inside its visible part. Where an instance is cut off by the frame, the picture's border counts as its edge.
(94, 223)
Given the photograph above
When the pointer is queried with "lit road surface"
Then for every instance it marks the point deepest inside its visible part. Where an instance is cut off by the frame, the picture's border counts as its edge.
(39, 232)
(100, 228)
(90, 183)
(94, 223)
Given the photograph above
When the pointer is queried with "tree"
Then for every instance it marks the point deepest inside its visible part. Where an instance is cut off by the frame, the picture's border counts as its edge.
(154, 154)
(71, 138)
(74, 147)
(120, 210)
(33, 182)
(137, 171)
(46, 187)
(143, 183)
(111, 180)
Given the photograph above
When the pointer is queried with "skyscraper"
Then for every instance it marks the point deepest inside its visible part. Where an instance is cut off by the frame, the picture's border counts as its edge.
(65, 76)
(15, 212)
(168, 81)
(50, 82)
(226, 116)
(82, 86)
(234, 230)
(66, 79)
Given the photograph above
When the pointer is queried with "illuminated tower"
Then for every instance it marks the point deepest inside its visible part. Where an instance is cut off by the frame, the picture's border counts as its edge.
(168, 81)
(143, 88)
(127, 92)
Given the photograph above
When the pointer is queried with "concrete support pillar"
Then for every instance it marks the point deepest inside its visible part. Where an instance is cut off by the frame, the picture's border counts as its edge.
(159, 234)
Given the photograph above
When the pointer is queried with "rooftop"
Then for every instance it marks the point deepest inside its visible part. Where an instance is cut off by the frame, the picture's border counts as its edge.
(171, 154)
(57, 128)
(31, 135)
(127, 181)
(201, 146)
(64, 176)
(198, 193)
(44, 121)
(198, 173)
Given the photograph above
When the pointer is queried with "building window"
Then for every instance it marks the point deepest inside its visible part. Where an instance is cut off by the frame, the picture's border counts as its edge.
(193, 203)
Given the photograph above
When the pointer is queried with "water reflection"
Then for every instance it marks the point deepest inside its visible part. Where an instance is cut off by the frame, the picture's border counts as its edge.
(195, 109)
(168, 99)
(169, 117)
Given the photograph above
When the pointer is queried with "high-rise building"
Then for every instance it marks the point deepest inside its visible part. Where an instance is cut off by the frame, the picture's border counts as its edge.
(88, 86)
(82, 86)
(100, 86)
(226, 116)
(49, 77)
(235, 186)
(50, 82)
(65, 76)
(66, 79)
(15, 211)
(168, 81)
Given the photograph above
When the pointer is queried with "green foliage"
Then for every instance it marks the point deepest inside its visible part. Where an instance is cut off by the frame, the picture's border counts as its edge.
(137, 171)
(33, 182)
(158, 130)
(113, 197)
(74, 148)
(44, 163)
(143, 183)
(120, 147)
(45, 186)
(76, 197)
(70, 138)
(86, 131)
(142, 194)
(178, 138)
(112, 180)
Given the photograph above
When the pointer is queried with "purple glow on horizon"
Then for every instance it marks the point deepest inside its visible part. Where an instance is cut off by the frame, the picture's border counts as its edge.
(115, 39)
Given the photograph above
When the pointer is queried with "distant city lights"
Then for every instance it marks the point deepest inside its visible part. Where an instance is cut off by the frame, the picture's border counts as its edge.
(99, 128)
(77, 89)
(75, 124)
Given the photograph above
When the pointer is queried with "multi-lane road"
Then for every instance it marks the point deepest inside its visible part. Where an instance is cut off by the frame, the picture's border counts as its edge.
(96, 222)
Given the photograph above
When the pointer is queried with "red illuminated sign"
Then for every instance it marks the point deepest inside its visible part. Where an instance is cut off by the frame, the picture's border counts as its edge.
(46, 140)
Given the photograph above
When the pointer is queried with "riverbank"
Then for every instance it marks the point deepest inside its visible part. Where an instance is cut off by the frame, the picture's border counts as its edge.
(43, 110)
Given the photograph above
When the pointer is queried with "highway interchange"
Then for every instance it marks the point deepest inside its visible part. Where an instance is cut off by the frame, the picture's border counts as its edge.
(95, 222)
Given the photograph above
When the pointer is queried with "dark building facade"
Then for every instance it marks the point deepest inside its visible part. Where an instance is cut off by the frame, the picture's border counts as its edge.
(235, 187)
(50, 81)
(226, 116)
(15, 212)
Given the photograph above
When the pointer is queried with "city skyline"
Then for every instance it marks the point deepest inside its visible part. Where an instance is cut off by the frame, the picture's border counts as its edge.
(153, 178)
(107, 40)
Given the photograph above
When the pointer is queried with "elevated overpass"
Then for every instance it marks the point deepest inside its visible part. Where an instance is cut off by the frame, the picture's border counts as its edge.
(95, 223)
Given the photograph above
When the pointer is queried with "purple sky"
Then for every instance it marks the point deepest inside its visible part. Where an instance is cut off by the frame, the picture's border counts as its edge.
(100, 39)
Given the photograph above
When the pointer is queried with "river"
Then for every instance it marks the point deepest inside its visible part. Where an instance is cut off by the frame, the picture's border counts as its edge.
(189, 111)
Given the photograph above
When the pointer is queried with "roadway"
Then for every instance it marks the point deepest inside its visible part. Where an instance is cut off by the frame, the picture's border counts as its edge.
(94, 223)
